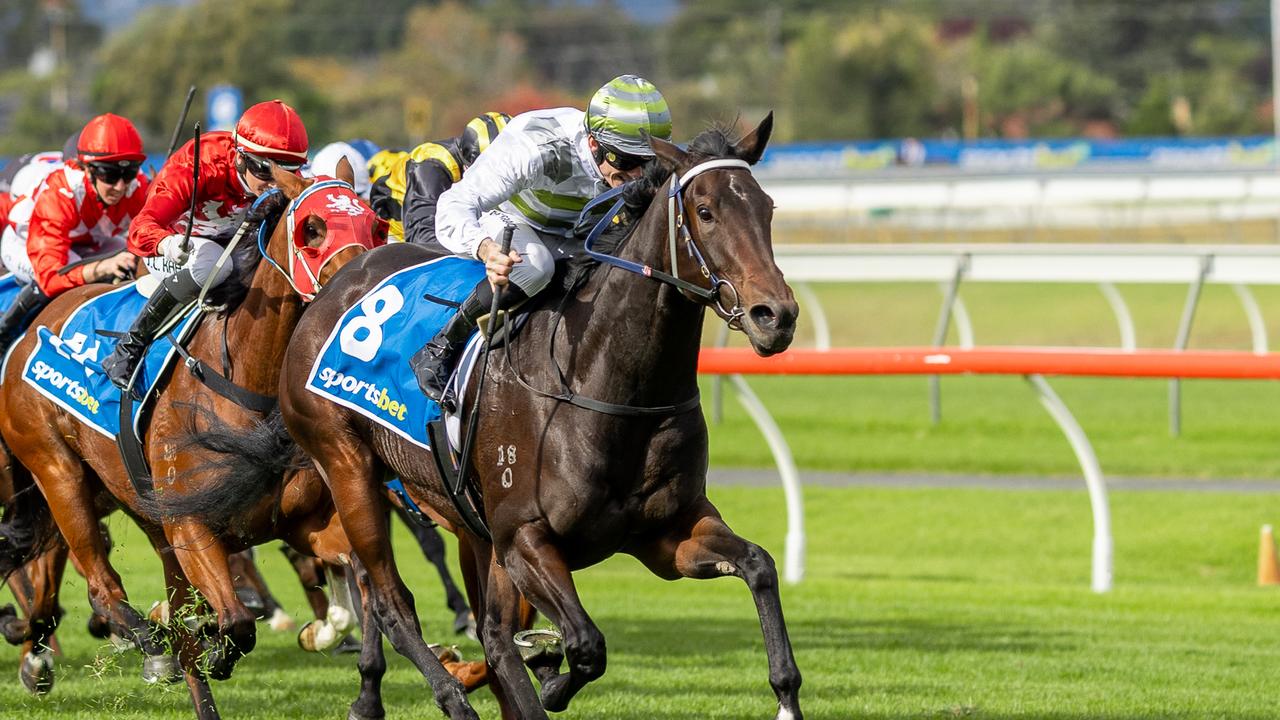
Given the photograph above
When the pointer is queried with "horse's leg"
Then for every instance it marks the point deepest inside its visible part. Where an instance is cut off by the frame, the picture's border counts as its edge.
(702, 546)
(39, 582)
(349, 472)
(311, 574)
(433, 548)
(181, 603)
(541, 573)
(204, 561)
(372, 663)
(64, 484)
(500, 611)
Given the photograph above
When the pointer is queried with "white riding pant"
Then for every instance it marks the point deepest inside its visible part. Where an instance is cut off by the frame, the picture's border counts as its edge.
(533, 273)
(204, 256)
(13, 253)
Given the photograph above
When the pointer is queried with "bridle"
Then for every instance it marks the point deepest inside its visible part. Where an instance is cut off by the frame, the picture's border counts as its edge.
(711, 296)
(295, 258)
(676, 228)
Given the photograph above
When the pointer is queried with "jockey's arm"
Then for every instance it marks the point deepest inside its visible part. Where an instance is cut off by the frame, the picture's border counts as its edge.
(168, 198)
(511, 164)
(53, 220)
(427, 181)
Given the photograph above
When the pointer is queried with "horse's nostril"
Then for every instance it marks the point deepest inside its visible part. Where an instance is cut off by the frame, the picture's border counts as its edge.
(763, 316)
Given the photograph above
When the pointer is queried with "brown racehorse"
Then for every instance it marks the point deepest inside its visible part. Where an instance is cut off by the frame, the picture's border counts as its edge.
(578, 484)
(81, 473)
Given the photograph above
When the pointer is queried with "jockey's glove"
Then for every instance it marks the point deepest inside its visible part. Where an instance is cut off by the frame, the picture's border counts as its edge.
(171, 249)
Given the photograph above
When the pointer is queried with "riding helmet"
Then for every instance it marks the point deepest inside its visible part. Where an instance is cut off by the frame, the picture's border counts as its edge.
(622, 108)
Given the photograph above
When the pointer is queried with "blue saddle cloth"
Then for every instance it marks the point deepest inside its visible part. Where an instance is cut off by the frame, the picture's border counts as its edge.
(67, 368)
(9, 289)
(364, 365)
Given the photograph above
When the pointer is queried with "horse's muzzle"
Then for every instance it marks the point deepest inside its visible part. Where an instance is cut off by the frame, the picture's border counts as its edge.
(771, 326)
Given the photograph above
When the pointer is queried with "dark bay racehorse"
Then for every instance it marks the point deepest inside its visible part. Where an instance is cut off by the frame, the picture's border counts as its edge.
(577, 484)
(82, 476)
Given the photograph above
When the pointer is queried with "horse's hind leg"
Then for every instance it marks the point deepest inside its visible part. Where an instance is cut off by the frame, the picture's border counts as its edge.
(204, 561)
(181, 602)
(501, 610)
(372, 663)
(702, 546)
(540, 572)
(432, 546)
(39, 582)
(353, 483)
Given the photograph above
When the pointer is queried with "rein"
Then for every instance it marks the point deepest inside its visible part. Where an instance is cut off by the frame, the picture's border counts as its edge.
(712, 296)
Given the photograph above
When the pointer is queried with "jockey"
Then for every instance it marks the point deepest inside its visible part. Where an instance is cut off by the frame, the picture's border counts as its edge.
(536, 176)
(234, 169)
(83, 208)
(357, 152)
(406, 192)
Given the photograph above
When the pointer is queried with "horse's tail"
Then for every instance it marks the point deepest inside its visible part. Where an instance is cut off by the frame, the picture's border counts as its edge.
(27, 529)
(246, 466)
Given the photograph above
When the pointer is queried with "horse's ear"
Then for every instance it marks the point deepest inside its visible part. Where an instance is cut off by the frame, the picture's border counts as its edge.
(291, 185)
(345, 172)
(669, 154)
(751, 147)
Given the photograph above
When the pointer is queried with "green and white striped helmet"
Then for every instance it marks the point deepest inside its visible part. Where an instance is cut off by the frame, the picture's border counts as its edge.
(622, 108)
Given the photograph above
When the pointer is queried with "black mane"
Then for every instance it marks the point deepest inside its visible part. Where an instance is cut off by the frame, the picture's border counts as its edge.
(246, 258)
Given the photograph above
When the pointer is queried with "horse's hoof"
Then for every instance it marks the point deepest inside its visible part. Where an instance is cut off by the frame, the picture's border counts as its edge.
(161, 669)
(538, 644)
(281, 621)
(319, 636)
(36, 672)
(445, 653)
(159, 613)
(465, 622)
(353, 715)
(347, 645)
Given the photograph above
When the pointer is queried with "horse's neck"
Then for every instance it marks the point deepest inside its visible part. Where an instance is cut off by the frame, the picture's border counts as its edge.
(258, 331)
(642, 336)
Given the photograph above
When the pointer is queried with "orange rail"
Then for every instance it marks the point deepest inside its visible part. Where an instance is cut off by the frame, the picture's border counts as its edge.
(1221, 364)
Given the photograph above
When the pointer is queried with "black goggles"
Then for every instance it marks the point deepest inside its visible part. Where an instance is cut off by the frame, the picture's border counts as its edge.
(112, 173)
(621, 160)
(260, 167)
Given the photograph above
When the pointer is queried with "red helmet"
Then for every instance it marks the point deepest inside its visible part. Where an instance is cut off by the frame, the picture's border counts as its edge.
(273, 130)
(109, 138)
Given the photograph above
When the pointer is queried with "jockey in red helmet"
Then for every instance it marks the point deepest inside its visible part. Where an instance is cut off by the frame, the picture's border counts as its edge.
(82, 209)
(234, 167)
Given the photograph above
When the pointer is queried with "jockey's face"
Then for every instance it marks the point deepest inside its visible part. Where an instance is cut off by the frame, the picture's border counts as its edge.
(612, 175)
(111, 193)
(256, 185)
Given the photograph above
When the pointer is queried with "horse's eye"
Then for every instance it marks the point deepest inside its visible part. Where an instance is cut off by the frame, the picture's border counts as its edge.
(704, 214)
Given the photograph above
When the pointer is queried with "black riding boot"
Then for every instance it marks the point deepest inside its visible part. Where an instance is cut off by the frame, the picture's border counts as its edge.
(434, 363)
(30, 301)
(174, 293)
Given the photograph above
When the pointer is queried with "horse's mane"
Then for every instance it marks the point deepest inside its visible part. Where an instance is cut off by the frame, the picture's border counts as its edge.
(246, 258)
(717, 141)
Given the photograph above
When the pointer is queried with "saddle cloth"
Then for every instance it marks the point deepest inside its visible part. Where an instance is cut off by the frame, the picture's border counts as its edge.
(67, 368)
(364, 363)
(9, 289)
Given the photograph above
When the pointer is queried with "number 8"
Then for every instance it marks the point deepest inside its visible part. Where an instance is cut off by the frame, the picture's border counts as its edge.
(378, 309)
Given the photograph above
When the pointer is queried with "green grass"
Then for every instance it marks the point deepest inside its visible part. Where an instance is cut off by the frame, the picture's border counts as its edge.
(918, 604)
(995, 424)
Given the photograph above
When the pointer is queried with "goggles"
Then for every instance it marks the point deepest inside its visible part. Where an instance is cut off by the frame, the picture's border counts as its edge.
(112, 173)
(260, 167)
(621, 160)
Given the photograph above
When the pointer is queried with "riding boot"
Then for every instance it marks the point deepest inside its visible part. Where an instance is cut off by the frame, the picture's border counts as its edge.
(434, 363)
(173, 294)
(30, 301)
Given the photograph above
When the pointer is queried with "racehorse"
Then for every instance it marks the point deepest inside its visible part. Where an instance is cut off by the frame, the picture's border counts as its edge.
(81, 473)
(603, 449)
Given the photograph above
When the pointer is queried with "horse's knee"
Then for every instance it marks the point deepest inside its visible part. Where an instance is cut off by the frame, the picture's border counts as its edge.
(758, 569)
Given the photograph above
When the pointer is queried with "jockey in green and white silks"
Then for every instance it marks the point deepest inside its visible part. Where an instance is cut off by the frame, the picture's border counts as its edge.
(536, 176)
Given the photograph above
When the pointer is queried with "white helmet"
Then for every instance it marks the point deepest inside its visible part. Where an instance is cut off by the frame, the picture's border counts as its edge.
(326, 163)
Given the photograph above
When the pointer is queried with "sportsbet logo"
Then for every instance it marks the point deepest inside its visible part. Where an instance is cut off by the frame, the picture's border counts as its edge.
(74, 390)
(373, 394)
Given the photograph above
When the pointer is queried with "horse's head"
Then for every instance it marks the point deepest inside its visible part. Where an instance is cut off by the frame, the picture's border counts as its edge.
(325, 226)
(728, 238)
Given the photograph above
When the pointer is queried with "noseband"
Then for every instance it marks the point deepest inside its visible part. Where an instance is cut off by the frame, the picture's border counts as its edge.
(676, 227)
